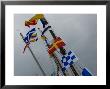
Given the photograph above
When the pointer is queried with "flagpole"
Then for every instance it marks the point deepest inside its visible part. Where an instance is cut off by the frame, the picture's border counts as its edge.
(34, 58)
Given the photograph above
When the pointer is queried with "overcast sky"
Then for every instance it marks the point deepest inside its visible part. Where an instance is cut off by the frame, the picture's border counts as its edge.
(79, 32)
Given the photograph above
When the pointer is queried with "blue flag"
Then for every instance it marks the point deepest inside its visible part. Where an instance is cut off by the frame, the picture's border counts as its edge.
(85, 72)
(31, 34)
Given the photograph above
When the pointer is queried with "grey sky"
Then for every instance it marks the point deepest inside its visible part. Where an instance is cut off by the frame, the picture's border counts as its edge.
(79, 31)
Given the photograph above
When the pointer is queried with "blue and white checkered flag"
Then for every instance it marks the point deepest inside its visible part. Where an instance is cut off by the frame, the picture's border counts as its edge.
(68, 60)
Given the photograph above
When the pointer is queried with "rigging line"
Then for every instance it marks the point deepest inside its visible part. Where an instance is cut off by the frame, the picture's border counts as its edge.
(45, 46)
(35, 58)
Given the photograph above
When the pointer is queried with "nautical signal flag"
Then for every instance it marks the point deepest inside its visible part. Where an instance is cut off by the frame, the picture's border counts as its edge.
(28, 23)
(31, 36)
(46, 29)
(68, 59)
(58, 43)
(85, 72)
(44, 22)
(34, 20)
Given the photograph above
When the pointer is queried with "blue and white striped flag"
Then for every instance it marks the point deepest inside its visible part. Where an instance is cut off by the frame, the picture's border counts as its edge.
(68, 60)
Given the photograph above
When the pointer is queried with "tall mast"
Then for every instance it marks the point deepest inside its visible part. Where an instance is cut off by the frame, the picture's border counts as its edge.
(34, 57)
